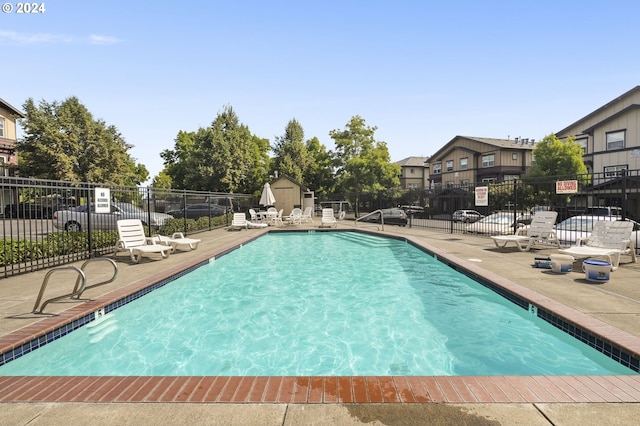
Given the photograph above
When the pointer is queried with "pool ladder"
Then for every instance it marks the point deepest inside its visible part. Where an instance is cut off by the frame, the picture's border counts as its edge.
(79, 287)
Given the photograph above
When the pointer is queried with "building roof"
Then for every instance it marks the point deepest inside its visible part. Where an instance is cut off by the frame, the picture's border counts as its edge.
(413, 161)
(599, 110)
(527, 144)
(6, 105)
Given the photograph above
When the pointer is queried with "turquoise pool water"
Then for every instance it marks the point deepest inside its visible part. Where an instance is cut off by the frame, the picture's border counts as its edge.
(323, 303)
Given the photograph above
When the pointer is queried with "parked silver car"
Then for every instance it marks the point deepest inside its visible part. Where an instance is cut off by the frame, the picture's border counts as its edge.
(76, 219)
(466, 216)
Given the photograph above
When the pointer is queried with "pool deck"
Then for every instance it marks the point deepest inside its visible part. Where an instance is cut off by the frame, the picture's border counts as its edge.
(609, 309)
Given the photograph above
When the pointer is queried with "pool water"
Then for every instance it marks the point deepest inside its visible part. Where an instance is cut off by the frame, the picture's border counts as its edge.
(319, 303)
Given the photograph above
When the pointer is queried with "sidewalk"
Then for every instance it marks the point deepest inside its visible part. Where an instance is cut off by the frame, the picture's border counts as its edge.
(616, 303)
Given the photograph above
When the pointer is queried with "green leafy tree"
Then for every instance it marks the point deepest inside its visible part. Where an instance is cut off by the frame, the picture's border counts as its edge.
(553, 157)
(291, 156)
(162, 180)
(561, 160)
(64, 142)
(320, 177)
(363, 164)
(224, 157)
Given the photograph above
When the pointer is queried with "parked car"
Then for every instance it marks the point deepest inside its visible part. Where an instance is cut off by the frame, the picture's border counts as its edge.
(466, 216)
(500, 223)
(393, 216)
(76, 219)
(570, 230)
(413, 210)
(194, 211)
(40, 208)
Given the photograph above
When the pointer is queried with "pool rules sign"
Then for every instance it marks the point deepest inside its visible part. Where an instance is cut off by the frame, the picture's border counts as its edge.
(103, 200)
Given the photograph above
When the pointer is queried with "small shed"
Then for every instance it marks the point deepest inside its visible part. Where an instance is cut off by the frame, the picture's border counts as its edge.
(290, 193)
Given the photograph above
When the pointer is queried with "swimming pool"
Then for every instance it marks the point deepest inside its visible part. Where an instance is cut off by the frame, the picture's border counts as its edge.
(390, 333)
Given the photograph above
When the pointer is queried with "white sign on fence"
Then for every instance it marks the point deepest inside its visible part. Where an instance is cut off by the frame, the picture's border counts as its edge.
(482, 196)
(566, 187)
(103, 200)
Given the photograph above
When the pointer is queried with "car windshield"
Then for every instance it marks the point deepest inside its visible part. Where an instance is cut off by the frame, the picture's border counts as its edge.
(501, 218)
(576, 224)
(128, 208)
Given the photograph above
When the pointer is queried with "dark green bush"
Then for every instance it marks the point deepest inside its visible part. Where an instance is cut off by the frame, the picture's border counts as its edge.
(57, 244)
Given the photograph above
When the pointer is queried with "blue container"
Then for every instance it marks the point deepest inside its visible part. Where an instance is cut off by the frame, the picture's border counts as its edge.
(596, 270)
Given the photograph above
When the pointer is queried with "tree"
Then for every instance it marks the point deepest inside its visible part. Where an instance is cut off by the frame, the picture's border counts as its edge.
(291, 156)
(63, 142)
(363, 164)
(553, 157)
(224, 157)
(320, 177)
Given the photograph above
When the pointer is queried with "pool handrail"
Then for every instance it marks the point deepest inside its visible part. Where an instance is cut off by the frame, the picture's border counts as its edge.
(369, 214)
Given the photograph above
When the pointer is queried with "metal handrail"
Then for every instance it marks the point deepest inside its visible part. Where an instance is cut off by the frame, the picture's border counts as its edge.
(369, 214)
(46, 281)
(80, 289)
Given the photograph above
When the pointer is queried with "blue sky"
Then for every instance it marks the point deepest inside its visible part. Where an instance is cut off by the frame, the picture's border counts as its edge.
(422, 72)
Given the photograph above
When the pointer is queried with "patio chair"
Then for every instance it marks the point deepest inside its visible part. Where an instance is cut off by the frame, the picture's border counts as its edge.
(131, 238)
(253, 216)
(540, 232)
(328, 218)
(239, 221)
(295, 217)
(177, 240)
(307, 214)
(608, 239)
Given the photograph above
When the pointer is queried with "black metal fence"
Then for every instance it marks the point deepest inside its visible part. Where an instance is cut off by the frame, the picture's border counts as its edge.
(49, 223)
(612, 195)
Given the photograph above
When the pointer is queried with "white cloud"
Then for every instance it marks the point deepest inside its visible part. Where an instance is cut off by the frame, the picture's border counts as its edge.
(37, 38)
(13, 37)
(103, 40)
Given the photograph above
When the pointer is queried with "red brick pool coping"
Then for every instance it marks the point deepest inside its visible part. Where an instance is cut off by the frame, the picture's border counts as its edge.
(320, 389)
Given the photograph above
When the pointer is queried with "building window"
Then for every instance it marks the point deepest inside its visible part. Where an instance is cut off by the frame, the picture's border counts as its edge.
(615, 171)
(510, 178)
(437, 168)
(2, 127)
(413, 186)
(583, 143)
(487, 180)
(464, 183)
(450, 184)
(464, 163)
(450, 165)
(412, 171)
(488, 160)
(615, 140)
(514, 156)
(3, 166)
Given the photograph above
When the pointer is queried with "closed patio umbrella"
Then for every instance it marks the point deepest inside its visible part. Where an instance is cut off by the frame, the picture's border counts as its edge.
(267, 198)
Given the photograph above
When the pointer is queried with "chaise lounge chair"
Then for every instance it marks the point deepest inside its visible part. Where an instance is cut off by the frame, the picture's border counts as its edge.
(132, 239)
(328, 218)
(239, 221)
(608, 239)
(539, 232)
(177, 240)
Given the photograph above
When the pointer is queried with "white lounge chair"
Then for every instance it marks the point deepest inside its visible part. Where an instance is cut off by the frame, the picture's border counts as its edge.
(328, 218)
(239, 221)
(177, 240)
(307, 215)
(539, 232)
(133, 239)
(295, 218)
(609, 240)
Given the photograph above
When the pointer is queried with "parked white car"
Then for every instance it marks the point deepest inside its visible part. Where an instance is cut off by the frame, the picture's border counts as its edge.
(75, 219)
(576, 227)
(497, 224)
